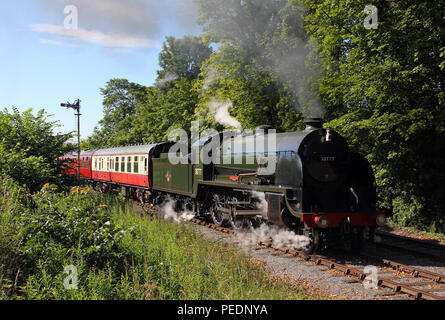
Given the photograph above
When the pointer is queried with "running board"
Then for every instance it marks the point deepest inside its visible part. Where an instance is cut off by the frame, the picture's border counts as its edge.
(240, 212)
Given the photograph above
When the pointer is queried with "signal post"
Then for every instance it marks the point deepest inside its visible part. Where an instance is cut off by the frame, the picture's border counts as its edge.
(76, 107)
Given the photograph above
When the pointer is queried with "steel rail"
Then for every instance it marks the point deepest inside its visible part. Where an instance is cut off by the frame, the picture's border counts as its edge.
(427, 250)
(397, 287)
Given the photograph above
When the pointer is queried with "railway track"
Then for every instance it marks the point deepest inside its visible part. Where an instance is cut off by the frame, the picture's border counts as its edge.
(402, 279)
(417, 247)
(415, 282)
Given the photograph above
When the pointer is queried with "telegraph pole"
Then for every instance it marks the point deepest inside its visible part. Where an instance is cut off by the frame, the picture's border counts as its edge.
(76, 106)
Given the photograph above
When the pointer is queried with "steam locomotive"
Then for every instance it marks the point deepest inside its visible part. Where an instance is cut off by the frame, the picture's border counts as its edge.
(309, 181)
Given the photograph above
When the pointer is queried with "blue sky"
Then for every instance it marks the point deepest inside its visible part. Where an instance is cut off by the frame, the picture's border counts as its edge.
(43, 63)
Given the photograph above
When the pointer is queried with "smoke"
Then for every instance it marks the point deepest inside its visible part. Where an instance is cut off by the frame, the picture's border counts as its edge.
(220, 111)
(296, 67)
(289, 55)
(167, 211)
(261, 202)
(211, 76)
(169, 77)
(218, 108)
(280, 237)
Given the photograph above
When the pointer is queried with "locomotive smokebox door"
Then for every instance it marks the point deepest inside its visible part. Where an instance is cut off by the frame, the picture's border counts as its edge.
(274, 207)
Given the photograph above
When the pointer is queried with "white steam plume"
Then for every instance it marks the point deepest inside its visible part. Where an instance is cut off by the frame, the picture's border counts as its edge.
(168, 212)
(261, 202)
(211, 76)
(288, 54)
(279, 236)
(220, 111)
(168, 77)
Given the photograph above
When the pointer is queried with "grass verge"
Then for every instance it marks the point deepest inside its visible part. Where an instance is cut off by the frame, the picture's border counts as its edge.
(112, 252)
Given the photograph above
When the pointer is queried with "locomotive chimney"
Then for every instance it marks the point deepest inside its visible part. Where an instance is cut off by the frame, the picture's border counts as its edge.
(314, 123)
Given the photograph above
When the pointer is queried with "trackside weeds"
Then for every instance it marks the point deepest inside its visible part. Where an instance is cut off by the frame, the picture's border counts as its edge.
(79, 244)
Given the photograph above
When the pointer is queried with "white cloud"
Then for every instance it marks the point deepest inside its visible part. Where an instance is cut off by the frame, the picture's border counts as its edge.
(147, 18)
(109, 40)
(59, 43)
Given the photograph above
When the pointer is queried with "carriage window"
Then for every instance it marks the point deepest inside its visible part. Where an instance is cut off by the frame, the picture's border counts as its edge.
(122, 164)
(136, 165)
(116, 164)
(95, 164)
(146, 164)
(129, 164)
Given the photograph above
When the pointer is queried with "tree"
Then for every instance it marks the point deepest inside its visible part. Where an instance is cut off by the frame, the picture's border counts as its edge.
(257, 66)
(182, 58)
(29, 148)
(121, 101)
(383, 89)
(164, 110)
(256, 96)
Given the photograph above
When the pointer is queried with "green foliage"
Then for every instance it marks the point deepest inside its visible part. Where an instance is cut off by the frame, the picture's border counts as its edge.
(261, 64)
(136, 114)
(183, 58)
(76, 226)
(117, 253)
(166, 109)
(50, 230)
(13, 202)
(121, 101)
(256, 96)
(280, 61)
(29, 148)
(383, 90)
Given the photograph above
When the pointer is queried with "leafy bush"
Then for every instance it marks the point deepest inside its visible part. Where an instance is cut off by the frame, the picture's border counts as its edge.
(49, 230)
(13, 203)
(77, 225)
(29, 148)
(118, 253)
